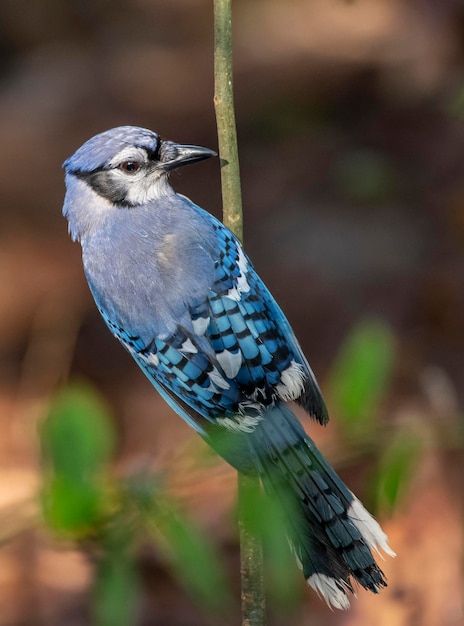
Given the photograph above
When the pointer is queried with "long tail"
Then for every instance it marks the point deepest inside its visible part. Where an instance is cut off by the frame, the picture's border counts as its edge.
(331, 533)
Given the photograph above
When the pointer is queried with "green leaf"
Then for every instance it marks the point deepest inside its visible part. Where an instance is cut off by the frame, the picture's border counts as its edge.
(396, 468)
(195, 562)
(116, 582)
(361, 375)
(77, 435)
(71, 506)
(77, 443)
(192, 557)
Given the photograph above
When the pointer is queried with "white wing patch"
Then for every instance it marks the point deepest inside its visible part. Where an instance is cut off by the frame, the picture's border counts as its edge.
(369, 528)
(329, 589)
(240, 423)
(150, 359)
(200, 325)
(217, 380)
(242, 285)
(292, 381)
(230, 362)
(188, 347)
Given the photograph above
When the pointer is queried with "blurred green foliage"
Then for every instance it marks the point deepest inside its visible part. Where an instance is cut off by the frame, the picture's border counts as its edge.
(361, 375)
(114, 517)
(359, 380)
(116, 580)
(395, 469)
(111, 517)
(191, 556)
(78, 442)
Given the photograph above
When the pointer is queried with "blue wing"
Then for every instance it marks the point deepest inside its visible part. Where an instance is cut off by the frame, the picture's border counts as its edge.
(234, 356)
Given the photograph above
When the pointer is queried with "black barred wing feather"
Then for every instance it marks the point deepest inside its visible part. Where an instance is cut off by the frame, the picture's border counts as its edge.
(237, 355)
(252, 338)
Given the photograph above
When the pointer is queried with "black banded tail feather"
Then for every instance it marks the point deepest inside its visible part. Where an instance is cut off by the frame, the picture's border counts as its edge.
(331, 534)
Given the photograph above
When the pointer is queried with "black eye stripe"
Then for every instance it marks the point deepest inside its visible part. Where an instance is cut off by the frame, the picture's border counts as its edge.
(154, 155)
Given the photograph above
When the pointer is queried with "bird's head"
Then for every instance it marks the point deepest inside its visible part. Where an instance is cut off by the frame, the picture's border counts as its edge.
(129, 166)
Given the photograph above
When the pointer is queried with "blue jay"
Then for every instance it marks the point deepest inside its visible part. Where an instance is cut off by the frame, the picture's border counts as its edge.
(175, 287)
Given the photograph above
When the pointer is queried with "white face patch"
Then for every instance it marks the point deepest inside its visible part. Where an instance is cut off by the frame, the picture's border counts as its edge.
(140, 186)
(292, 382)
(369, 528)
(242, 285)
(240, 423)
(230, 362)
(331, 589)
(146, 188)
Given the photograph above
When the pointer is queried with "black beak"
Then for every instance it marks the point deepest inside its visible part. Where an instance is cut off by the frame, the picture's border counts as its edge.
(173, 155)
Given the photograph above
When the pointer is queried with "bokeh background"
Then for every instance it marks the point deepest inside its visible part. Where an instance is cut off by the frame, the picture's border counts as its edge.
(350, 123)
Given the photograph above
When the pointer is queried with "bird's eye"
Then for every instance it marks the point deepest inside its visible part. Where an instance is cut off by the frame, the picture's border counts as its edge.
(130, 167)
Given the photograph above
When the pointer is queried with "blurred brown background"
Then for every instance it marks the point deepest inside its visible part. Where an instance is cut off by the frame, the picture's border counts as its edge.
(350, 122)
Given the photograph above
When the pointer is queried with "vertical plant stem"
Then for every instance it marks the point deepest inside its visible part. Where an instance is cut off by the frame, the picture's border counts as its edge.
(225, 118)
(253, 597)
(251, 552)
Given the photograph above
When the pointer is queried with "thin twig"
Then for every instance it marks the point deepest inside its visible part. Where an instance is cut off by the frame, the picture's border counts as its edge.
(251, 552)
(253, 596)
(225, 117)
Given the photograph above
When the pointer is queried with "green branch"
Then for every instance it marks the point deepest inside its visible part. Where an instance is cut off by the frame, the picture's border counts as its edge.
(225, 118)
(251, 552)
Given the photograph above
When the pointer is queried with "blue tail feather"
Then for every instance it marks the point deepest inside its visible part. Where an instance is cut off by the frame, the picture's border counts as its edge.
(325, 521)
